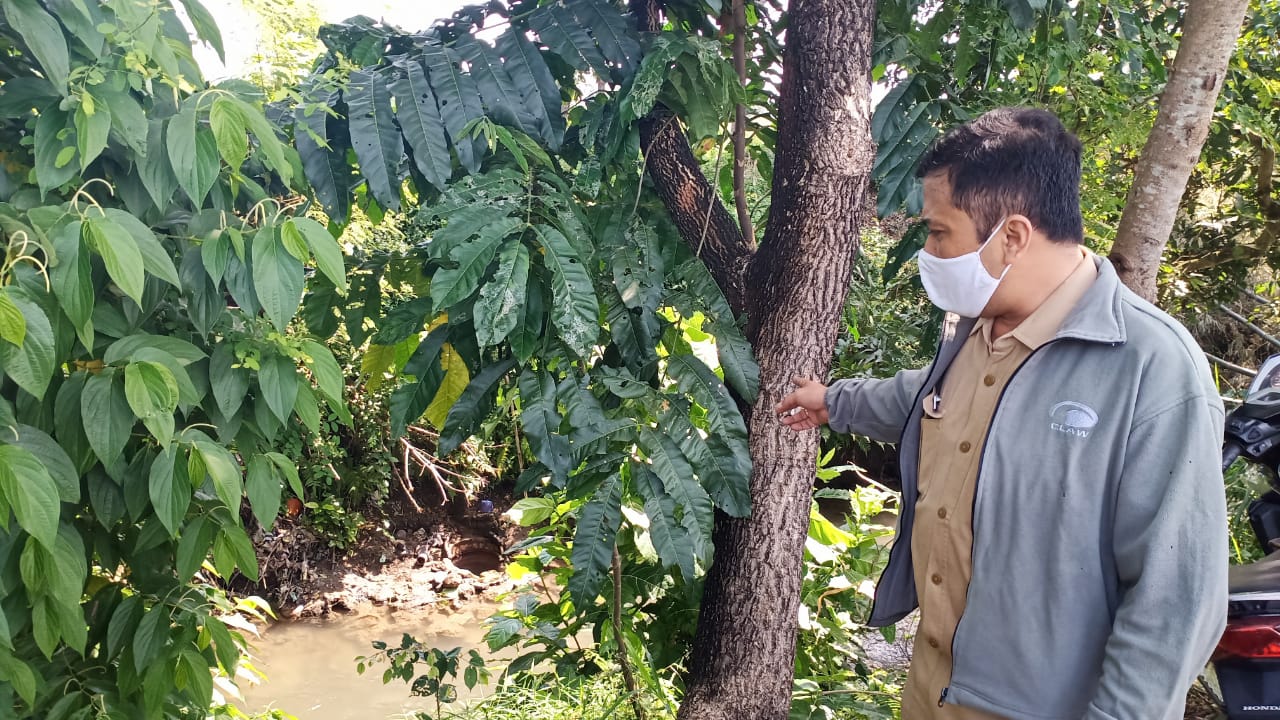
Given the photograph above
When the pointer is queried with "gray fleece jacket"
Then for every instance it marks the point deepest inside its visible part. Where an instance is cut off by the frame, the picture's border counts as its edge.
(1099, 583)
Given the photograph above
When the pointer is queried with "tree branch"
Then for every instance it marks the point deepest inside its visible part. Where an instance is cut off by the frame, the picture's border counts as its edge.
(1246, 323)
(740, 122)
(694, 205)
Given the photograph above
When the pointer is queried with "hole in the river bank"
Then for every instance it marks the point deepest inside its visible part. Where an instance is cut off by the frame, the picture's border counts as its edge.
(476, 554)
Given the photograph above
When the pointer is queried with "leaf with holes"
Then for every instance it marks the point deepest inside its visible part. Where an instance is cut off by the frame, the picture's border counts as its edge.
(568, 38)
(323, 156)
(575, 310)
(612, 33)
(497, 312)
(451, 286)
(539, 92)
(459, 102)
(374, 137)
(423, 126)
(501, 98)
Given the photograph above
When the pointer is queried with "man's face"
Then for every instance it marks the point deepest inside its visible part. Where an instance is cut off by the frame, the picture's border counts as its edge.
(951, 231)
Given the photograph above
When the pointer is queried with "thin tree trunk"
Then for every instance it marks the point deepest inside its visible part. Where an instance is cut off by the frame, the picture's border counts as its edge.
(744, 651)
(1209, 32)
(740, 121)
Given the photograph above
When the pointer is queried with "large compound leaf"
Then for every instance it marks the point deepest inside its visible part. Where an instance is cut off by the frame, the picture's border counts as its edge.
(422, 124)
(594, 541)
(723, 469)
(205, 26)
(575, 310)
(671, 465)
(450, 286)
(696, 379)
(540, 419)
(501, 98)
(411, 400)
(323, 157)
(374, 136)
(497, 312)
(612, 33)
(526, 336)
(539, 91)
(459, 102)
(568, 38)
(670, 538)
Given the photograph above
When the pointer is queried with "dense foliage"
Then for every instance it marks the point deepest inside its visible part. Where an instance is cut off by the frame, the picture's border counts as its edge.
(152, 266)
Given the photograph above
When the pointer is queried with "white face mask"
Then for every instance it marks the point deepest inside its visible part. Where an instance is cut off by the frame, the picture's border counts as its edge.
(960, 284)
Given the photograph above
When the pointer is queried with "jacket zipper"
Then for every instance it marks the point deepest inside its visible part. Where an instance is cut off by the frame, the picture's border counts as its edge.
(973, 509)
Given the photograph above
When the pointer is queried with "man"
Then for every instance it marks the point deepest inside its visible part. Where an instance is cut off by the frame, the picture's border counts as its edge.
(1063, 521)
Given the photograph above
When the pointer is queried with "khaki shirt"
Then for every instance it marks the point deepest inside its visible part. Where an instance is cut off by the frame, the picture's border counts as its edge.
(952, 435)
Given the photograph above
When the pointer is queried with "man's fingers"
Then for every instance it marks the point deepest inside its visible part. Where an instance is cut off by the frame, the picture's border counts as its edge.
(788, 402)
(800, 381)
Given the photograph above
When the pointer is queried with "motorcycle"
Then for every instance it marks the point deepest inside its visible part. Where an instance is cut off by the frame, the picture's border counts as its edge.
(1247, 659)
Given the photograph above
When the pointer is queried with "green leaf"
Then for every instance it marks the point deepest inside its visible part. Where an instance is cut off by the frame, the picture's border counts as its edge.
(41, 32)
(44, 626)
(533, 79)
(307, 408)
(594, 540)
(154, 168)
(152, 393)
(50, 140)
(541, 420)
(325, 248)
(324, 368)
(170, 493)
(92, 129)
(229, 131)
(119, 252)
(611, 31)
(54, 458)
(18, 674)
(498, 310)
(451, 286)
(501, 99)
(108, 419)
(72, 280)
(527, 335)
(193, 154)
(123, 624)
(151, 636)
(31, 493)
(199, 677)
(723, 469)
(527, 512)
(736, 359)
(670, 538)
(278, 383)
(673, 468)
(569, 39)
(229, 384)
(205, 26)
(459, 100)
(31, 366)
(278, 279)
(289, 470)
(224, 646)
(411, 400)
(324, 159)
(472, 406)
(269, 144)
(193, 547)
(188, 394)
(128, 347)
(575, 310)
(241, 549)
(291, 239)
(263, 486)
(225, 472)
(374, 137)
(423, 127)
(456, 378)
(696, 379)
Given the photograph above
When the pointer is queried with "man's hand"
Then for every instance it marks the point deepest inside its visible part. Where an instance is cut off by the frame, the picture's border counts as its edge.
(806, 408)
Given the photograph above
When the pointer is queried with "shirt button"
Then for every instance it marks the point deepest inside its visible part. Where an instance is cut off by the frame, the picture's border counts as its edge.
(936, 579)
(933, 643)
(942, 513)
(989, 380)
(965, 446)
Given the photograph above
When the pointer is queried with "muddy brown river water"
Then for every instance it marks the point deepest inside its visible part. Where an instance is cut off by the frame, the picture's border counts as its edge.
(311, 670)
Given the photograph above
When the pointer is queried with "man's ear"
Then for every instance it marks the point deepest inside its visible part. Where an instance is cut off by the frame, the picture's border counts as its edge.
(1016, 237)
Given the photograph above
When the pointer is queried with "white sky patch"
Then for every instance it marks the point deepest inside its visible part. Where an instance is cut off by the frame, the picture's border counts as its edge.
(240, 29)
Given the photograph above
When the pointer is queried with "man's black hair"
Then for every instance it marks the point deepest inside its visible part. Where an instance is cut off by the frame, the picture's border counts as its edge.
(1012, 161)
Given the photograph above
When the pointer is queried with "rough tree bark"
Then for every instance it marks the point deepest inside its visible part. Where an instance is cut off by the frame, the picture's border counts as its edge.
(1209, 32)
(792, 290)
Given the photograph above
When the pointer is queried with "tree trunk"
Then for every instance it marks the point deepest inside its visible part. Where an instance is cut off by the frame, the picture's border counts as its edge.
(1209, 33)
(744, 651)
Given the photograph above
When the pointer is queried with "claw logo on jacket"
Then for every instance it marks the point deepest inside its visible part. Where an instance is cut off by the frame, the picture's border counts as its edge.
(1072, 418)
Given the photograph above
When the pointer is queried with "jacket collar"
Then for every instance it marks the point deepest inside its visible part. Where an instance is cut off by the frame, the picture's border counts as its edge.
(1096, 317)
